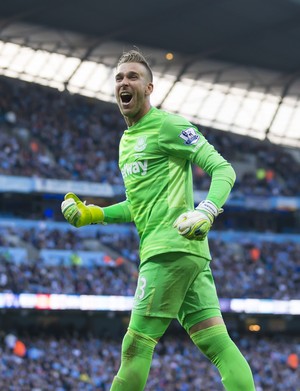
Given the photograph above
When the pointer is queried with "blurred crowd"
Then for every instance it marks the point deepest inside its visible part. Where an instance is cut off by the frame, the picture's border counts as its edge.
(53, 135)
(249, 268)
(49, 134)
(85, 363)
(256, 269)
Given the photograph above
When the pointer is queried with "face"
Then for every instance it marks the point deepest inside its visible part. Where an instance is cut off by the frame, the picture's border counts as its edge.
(132, 89)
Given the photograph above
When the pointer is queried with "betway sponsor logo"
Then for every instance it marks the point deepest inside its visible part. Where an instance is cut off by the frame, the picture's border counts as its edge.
(139, 167)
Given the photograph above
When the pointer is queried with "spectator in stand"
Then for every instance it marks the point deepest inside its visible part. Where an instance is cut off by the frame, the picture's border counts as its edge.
(33, 140)
(73, 362)
(264, 269)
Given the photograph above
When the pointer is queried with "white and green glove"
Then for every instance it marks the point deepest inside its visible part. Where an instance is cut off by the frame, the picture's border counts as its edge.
(78, 213)
(195, 225)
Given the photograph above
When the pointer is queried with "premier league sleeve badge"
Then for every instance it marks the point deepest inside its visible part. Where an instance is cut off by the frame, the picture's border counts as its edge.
(189, 136)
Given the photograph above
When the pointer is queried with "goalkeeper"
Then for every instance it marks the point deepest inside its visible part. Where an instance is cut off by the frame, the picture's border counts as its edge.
(175, 280)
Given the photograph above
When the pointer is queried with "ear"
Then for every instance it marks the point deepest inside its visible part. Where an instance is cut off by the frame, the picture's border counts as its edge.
(149, 89)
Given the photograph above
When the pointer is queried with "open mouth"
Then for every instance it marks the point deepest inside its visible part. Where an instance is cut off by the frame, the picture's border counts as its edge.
(125, 97)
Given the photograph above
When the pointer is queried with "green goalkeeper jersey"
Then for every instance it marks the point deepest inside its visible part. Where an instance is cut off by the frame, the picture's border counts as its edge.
(155, 158)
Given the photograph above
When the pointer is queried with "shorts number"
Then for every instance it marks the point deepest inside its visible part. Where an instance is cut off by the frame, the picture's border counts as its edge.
(140, 292)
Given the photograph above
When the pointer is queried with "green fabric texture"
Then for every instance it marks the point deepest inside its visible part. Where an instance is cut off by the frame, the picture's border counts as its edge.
(217, 345)
(137, 351)
(155, 158)
(118, 213)
(153, 327)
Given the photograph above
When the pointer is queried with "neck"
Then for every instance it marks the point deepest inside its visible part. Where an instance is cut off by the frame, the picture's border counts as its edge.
(130, 121)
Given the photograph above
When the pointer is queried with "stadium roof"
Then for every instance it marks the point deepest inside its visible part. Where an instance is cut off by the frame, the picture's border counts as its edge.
(236, 63)
(261, 33)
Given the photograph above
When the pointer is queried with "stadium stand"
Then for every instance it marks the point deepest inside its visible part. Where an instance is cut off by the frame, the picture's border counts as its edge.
(50, 257)
(61, 362)
(33, 142)
(256, 267)
(48, 135)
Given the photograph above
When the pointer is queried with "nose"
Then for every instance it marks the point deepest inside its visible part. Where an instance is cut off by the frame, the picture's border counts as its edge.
(125, 81)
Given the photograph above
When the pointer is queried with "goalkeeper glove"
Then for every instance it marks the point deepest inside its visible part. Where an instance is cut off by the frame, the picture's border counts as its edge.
(78, 213)
(195, 225)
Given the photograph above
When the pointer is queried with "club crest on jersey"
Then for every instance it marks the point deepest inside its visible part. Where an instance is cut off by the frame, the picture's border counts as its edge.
(141, 144)
(189, 136)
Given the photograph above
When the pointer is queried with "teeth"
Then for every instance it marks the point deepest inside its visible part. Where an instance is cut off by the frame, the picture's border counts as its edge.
(125, 97)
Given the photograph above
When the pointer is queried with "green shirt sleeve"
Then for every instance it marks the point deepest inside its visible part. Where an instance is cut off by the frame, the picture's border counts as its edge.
(178, 137)
(221, 172)
(118, 213)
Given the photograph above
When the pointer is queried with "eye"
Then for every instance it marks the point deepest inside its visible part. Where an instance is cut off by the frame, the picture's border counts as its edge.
(133, 76)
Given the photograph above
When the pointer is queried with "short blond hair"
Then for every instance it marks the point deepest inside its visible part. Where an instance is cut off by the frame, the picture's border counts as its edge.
(136, 56)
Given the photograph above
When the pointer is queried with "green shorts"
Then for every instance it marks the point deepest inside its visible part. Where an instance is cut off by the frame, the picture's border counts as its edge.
(176, 285)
